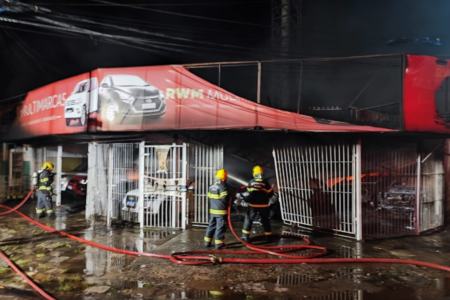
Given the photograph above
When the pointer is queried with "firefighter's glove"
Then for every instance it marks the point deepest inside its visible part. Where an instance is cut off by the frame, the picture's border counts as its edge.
(273, 199)
(240, 202)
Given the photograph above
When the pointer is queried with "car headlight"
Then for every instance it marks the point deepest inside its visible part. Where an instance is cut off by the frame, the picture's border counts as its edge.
(125, 97)
(161, 95)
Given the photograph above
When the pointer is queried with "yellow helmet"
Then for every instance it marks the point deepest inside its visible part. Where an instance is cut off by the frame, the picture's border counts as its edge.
(48, 166)
(222, 174)
(257, 170)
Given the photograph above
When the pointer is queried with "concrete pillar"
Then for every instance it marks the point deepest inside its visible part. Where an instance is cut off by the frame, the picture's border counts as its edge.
(447, 181)
(58, 175)
(91, 191)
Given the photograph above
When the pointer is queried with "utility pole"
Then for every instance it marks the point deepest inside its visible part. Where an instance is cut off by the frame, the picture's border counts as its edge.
(286, 26)
(286, 37)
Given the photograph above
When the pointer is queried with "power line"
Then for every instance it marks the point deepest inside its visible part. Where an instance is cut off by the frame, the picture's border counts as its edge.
(45, 10)
(67, 35)
(70, 28)
(133, 30)
(148, 24)
(149, 33)
(14, 97)
(181, 14)
(67, 28)
(32, 53)
(156, 4)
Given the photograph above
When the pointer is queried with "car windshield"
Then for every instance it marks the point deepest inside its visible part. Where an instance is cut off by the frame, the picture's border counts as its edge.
(128, 80)
(81, 88)
(81, 168)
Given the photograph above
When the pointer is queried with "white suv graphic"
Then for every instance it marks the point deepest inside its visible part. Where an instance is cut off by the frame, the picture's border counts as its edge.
(77, 104)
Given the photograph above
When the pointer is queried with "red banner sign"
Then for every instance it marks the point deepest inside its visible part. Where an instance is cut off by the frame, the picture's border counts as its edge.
(153, 98)
(170, 97)
(427, 94)
(52, 109)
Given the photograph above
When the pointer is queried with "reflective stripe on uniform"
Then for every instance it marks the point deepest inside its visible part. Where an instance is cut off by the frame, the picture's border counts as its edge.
(258, 205)
(268, 191)
(218, 211)
(207, 239)
(39, 211)
(46, 188)
(43, 179)
(260, 190)
(214, 196)
(219, 241)
(50, 211)
(223, 194)
(245, 231)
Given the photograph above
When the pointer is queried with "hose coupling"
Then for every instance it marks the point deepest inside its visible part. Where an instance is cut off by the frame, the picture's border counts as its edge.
(214, 259)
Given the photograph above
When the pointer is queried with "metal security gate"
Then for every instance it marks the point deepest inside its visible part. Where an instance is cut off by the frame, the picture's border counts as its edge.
(389, 189)
(207, 160)
(163, 185)
(123, 180)
(432, 185)
(318, 186)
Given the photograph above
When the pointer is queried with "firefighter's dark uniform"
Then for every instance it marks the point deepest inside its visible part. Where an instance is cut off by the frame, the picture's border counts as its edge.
(258, 203)
(218, 213)
(44, 193)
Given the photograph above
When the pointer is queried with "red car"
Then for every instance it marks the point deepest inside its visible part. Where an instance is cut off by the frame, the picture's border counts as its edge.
(77, 186)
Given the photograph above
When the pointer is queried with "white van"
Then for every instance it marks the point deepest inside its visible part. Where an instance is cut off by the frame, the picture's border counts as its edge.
(83, 98)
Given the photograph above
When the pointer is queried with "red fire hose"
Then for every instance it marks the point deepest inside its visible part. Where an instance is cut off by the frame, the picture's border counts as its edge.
(196, 257)
(25, 277)
(18, 205)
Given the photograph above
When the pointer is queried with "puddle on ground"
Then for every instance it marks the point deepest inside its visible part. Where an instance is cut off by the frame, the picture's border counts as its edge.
(67, 268)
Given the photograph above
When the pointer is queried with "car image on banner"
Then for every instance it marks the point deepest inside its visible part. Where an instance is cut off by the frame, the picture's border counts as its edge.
(77, 104)
(125, 96)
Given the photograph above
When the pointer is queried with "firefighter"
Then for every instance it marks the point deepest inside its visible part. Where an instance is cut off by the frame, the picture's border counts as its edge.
(218, 211)
(258, 199)
(45, 191)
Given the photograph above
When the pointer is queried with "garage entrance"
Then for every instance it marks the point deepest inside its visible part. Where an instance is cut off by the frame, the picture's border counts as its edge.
(140, 183)
(318, 186)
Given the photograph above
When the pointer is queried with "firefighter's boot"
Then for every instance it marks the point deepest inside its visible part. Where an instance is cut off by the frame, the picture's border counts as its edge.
(221, 246)
(207, 242)
(245, 237)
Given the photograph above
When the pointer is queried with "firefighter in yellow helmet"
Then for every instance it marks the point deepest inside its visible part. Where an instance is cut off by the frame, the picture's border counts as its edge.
(218, 211)
(45, 191)
(260, 194)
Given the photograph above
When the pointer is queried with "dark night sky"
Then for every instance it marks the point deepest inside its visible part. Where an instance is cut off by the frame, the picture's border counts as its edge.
(329, 28)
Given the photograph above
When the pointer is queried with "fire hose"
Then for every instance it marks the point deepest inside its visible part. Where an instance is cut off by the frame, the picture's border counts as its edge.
(199, 258)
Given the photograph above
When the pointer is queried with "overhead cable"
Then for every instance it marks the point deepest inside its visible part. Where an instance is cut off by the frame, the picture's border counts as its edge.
(180, 14)
(156, 4)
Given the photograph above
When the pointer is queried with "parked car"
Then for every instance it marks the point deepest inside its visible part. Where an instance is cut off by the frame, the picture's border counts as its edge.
(155, 193)
(78, 174)
(123, 96)
(77, 186)
(78, 103)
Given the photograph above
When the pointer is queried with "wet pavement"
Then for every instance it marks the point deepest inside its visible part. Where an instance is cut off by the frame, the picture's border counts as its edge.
(70, 270)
